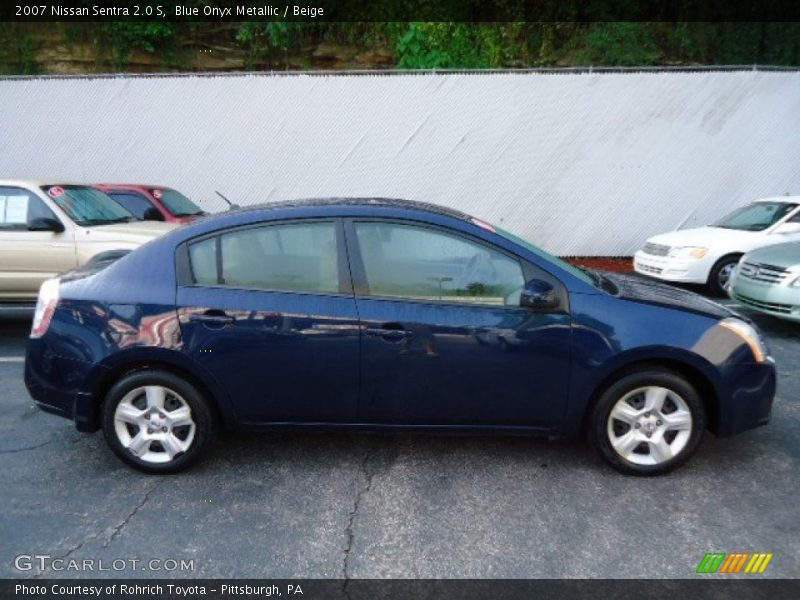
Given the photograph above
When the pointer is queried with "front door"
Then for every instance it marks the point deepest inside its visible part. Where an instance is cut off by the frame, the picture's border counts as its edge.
(29, 257)
(270, 313)
(445, 341)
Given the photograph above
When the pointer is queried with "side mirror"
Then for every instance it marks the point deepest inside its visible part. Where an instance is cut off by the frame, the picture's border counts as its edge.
(539, 295)
(153, 214)
(45, 224)
(788, 228)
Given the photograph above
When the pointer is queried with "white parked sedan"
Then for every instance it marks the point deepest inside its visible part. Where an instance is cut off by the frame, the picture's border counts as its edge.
(707, 255)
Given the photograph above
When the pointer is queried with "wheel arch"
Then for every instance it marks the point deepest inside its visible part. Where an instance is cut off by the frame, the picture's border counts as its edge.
(106, 375)
(709, 393)
(737, 254)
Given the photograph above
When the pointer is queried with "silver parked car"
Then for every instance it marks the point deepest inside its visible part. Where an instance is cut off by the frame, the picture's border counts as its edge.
(768, 280)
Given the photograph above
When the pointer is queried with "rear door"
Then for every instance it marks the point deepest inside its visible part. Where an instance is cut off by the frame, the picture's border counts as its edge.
(269, 311)
(445, 341)
(29, 257)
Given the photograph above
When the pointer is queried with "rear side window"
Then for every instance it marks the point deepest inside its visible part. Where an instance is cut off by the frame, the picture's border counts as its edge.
(203, 257)
(18, 207)
(418, 263)
(297, 257)
(136, 204)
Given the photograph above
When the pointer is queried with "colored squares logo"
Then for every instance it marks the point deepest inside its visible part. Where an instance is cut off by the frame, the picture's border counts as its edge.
(734, 562)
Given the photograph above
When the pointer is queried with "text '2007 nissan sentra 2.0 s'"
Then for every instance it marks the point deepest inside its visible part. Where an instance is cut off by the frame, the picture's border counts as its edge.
(385, 315)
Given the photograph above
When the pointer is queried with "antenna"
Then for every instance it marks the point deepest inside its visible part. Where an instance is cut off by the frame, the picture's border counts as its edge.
(230, 204)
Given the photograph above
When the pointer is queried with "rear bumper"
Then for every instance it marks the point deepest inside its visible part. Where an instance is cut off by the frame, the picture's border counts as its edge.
(54, 384)
(749, 404)
(671, 269)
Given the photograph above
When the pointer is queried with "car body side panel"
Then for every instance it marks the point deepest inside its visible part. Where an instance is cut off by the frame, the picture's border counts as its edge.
(635, 332)
(86, 341)
(30, 257)
(285, 357)
(126, 314)
(464, 365)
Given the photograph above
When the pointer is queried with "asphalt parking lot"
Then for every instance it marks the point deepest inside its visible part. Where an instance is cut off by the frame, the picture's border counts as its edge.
(342, 505)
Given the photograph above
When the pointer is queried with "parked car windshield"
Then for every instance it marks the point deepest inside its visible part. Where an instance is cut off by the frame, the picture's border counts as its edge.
(88, 206)
(757, 216)
(176, 203)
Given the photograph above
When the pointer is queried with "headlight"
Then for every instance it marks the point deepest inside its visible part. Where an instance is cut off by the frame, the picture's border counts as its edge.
(688, 252)
(795, 283)
(749, 334)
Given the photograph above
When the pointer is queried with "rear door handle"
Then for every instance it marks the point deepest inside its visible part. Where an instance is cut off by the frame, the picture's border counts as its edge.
(392, 334)
(212, 317)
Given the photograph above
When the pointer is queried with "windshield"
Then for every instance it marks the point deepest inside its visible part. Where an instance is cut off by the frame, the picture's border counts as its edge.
(176, 203)
(571, 269)
(88, 206)
(757, 216)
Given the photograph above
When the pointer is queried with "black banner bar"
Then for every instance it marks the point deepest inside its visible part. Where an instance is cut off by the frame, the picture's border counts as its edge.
(740, 588)
(400, 10)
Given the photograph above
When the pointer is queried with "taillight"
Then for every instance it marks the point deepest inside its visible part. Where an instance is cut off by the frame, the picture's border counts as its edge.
(45, 307)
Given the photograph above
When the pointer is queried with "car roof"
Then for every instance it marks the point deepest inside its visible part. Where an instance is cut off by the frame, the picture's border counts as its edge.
(354, 201)
(792, 199)
(36, 183)
(138, 186)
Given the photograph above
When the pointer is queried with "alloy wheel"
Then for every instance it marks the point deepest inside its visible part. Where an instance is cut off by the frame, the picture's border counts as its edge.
(649, 425)
(154, 423)
(724, 275)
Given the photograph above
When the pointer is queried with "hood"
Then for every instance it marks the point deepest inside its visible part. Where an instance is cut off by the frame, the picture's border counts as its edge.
(136, 232)
(716, 237)
(786, 256)
(638, 289)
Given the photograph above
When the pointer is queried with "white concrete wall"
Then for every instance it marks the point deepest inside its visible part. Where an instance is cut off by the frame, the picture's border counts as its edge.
(579, 163)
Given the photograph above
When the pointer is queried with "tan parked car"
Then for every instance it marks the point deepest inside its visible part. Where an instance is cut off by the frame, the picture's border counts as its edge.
(48, 228)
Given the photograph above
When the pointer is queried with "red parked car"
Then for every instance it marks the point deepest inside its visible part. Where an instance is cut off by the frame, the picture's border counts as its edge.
(152, 202)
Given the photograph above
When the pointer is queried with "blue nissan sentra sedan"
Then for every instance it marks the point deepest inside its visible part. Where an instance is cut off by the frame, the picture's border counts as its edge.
(385, 315)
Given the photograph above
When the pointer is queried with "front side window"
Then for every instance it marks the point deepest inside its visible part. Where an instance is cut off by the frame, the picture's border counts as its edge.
(408, 261)
(757, 216)
(134, 203)
(88, 206)
(19, 207)
(297, 257)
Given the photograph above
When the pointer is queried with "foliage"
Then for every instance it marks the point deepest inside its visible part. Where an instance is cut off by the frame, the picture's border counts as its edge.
(417, 45)
(618, 44)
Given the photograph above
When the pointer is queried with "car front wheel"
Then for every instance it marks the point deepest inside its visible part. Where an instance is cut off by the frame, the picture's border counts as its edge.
(156, 421)
(648, 422)
(720, 275)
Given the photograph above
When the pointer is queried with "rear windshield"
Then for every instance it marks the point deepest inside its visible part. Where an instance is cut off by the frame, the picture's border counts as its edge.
(176, 203)
(87, 206)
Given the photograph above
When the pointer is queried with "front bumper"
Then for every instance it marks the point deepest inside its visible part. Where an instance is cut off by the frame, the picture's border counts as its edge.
(671, 269)
(749, 403)
(777, 300)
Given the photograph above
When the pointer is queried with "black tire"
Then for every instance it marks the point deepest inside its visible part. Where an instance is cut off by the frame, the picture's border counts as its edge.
(598, 426)
(714, 285)
(178, 391)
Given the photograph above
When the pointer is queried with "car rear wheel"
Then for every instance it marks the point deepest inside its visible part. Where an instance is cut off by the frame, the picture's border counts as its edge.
(720, 275)
(157, 422)
(648, 422)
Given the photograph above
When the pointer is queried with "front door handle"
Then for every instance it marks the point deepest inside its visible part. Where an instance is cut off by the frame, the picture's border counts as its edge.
(212, 317)
(389, 334)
